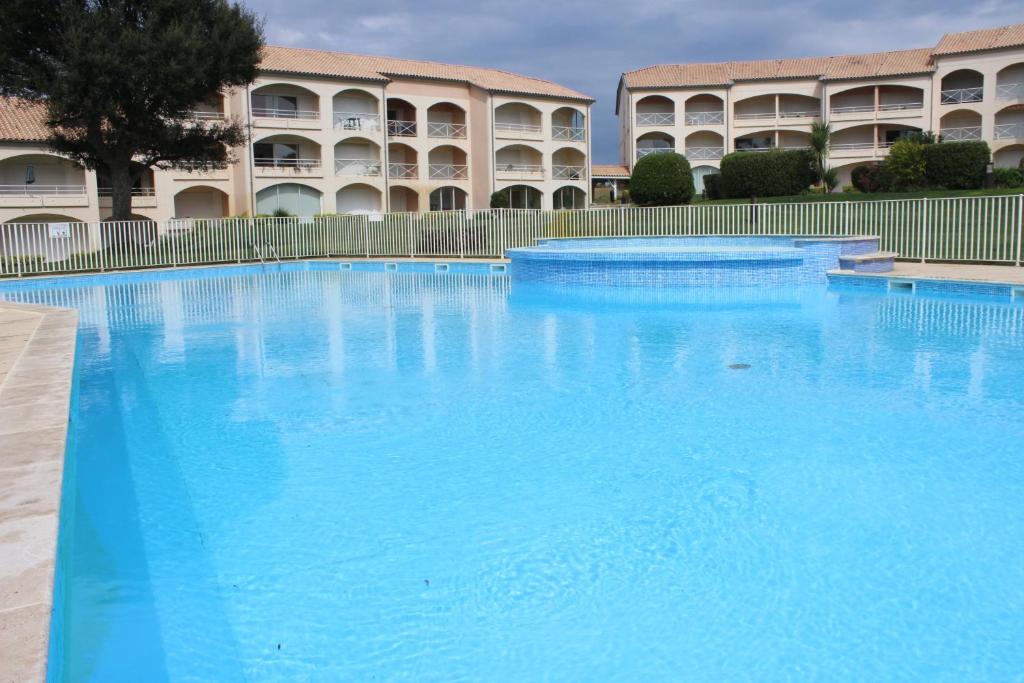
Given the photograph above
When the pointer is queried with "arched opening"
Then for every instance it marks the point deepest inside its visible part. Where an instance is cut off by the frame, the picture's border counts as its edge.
(654, 143)
(519, 161)
(290, 153)
(201, 202)
(568, 123)
(517, 120)
(401, 118)
(358, 198)
(704, 110)
(759, 141)
(403, 161)
(754, 108)
(285, 101)
(959, 125)
(402, 199)
(569, 197)
(447, 162)
(861, 140)
(35, 175)
(799, 107)
(356, 110)
(704, 144)
(888, 133)
(568, 164)
(357, 157)
(210, 110)
(853, 100)
(899, 98)
(446, 120)
(143, 183)
(655, 110)
(699, 173)
(448, 198)
(1010, 82)
(522, 197)
(962, 86)
(1008, 157)
(290, 198)
(1010, 123)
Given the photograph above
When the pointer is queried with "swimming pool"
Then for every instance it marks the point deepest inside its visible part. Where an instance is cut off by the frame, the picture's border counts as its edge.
(330, 475)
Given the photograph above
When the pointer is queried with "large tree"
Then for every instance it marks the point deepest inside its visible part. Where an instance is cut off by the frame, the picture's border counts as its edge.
(120, 78)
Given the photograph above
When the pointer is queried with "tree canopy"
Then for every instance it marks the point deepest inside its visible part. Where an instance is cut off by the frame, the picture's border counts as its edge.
(120, 79)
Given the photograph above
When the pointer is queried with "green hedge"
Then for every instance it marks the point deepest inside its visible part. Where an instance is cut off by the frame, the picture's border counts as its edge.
(499, 200)
(713, 186)
(1009, 177)
(956, 165)
(662, 179)
(766, 174)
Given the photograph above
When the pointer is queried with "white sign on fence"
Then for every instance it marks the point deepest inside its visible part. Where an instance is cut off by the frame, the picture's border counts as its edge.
(59, 231)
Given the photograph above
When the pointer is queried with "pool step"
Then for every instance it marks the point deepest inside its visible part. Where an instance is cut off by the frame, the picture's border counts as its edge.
(875, 262)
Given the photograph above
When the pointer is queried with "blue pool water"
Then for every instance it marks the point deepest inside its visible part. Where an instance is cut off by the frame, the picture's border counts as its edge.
(323, 476)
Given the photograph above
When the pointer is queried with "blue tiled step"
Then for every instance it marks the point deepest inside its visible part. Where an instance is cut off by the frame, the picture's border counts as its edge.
(874, 262)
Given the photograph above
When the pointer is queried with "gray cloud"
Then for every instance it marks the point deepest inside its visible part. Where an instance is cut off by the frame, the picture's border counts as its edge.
(587, 45)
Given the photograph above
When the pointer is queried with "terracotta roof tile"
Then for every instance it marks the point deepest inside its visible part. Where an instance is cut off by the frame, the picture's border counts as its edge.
(383, 69)
(985, 39)
(609, 171)
(22, 121)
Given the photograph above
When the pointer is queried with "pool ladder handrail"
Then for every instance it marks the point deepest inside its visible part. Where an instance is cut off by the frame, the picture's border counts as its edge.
(259, 252)
(273, 250)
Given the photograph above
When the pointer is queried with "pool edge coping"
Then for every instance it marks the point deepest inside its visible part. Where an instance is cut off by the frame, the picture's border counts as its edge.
(35, 409)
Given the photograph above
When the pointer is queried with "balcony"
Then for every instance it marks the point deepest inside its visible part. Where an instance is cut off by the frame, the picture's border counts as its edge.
(570, 133)
(961, 95)
(142, 197)
(286, 167)
(286, 118)
(705, 118)
(206, 115)
(1010, 91)
(455, 131)
(399, 171)
(1009, 131)
(644, 151)
(448, 171)
(568, 172)
(960, 134)
(401, 129)
(806, 114)
(356, 121)
(519, 131)
(520, 172)
(655, 119)
(43, 195)
(360, 167)
(704, 153)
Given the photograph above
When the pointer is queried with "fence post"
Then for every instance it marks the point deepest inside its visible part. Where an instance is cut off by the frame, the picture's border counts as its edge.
(462, 239)
(237, 235)
(924, 227)
(103, 251)
(366, 235)
(1020, 224)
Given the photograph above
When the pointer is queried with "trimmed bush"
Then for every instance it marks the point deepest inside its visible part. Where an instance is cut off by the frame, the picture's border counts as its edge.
(905, 164)
(1009, 177)
(870, 178)
(956, 165)
(713, 186)
(663, 179)
(766, 174)
(499, 200)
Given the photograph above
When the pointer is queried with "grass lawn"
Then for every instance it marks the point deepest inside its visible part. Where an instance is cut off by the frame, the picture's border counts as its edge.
(868, 197)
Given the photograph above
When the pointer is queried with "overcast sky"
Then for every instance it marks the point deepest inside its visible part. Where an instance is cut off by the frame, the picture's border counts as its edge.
(586, 45)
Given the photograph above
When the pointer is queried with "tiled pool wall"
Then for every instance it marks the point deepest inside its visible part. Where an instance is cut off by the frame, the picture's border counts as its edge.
(923, 286)
(718, 261)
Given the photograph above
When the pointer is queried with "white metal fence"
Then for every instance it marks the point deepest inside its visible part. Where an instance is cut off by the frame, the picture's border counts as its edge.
(970, 229)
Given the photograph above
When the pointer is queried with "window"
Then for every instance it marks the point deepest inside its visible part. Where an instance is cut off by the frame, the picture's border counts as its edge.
(447, 199)
(273, 153)
(274, 103)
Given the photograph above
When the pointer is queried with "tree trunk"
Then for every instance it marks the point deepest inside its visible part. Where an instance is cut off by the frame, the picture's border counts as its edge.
(121, 186)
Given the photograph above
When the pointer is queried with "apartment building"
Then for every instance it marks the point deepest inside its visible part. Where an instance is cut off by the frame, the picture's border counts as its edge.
(337, 133)
(970, 86)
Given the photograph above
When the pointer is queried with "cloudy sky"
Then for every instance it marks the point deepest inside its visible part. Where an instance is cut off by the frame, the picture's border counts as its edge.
(586, 45)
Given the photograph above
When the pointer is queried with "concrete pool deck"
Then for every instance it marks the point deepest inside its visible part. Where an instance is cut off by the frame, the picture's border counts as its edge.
(37, 356)
(958, 272)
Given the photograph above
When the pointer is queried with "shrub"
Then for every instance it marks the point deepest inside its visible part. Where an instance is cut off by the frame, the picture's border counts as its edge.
(281, 212)
(499, 200)
(906, 165)
(870, 178)
(1009, 177)
(956, 165)
(663, 179)
(766, 174)
(713, 186)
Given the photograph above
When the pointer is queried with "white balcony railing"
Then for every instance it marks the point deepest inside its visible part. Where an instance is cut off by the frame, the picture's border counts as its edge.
(852, 109)
(901, 106)
(850, 146)
(704, 152)
(359, 167)
(756, 116)
(705, 118)
(437, 129)
(294, 163)
(520, 170)
(303, 114)
(1009, 131)
(401, 129)
(960, 134)
(207, 115)
(136, 192)
(656, 119)
(756, 149)
(570, 133)
(961, 95)
(448, 171)
(400, 170)
(644, 151)
(518, 128)
(351, 120)
(1010, 91)
(568, 172)
(41, 190)
(799, 114)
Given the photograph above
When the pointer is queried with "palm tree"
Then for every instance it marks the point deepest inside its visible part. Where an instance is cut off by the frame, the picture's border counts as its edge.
(821, 136)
